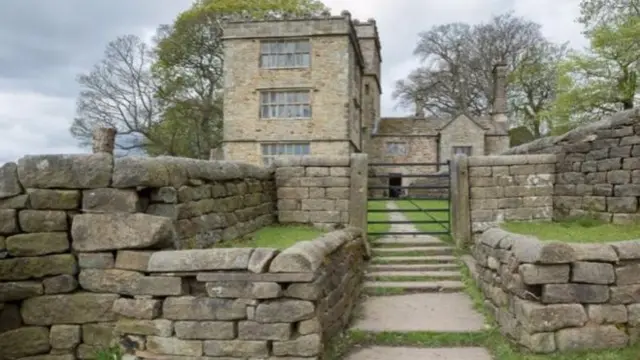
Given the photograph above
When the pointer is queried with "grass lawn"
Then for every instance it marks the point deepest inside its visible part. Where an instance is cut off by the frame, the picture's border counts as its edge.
(274, 236)
(377, 216)
(580, 230)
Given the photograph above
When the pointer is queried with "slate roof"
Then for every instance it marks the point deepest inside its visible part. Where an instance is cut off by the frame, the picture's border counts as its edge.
(413, 125)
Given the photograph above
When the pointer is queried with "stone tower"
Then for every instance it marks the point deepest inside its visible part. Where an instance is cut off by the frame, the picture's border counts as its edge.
(299, 86)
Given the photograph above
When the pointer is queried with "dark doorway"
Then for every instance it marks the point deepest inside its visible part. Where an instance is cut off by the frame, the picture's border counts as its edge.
(395, 185)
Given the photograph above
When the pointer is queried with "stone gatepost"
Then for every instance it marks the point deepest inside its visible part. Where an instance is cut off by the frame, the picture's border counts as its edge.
(459, 198)
(358, 190)
(104, 140)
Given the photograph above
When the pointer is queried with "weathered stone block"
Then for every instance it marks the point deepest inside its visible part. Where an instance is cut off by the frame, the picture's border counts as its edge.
(65, 337)
(78, 308)
(531, 250)
(60, 284)
(260, 259)
(284, 310)
(200, 260)
(200, 308)
(15, 202)
(19, 290)
(622, 204)
(167, 195)
(96, 260)
(133, 260)
(111, 200)
(8, 222)
(37, 221)
(129, 282)
(146, 309)
(251, 330)
(9, 184)
(236, 348)
(65, 171)
(591, 338)
(546, 318)
(246, 290)
(35, 244)
(157, 327)
(627, 250)
(311, 326)
(540, 343)
(37, 267)
(592, 273)
(575, 293)
(628, 274)
(626, 294)
(306, 345)
(191, 193)
(101, 334)
(318, 205)
(44, 199)
(293, 193)
(174, 346)
(595, 252)
(544, 274)
(205, 330)
(99, 232)
(25, 341)
(607, 314)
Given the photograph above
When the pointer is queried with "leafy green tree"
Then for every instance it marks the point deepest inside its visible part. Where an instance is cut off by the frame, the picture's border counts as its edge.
(603, 79)
(458, 59)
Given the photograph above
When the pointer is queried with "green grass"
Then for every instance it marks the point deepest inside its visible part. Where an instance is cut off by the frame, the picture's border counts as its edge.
(275, 236)
(584, 230)
(377, 216)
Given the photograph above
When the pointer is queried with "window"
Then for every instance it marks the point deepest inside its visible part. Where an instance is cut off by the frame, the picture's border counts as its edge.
(270, 151)
(285, 105)
(397, 148)
(466, 150)
(285, 54)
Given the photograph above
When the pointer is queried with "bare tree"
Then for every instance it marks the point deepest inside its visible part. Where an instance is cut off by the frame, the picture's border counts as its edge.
(457, 63)
(119, 92)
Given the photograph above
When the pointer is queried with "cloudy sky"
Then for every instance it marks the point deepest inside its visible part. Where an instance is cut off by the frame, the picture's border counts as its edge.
(44, 45)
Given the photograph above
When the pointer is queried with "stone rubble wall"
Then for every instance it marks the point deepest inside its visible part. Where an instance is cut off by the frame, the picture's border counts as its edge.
(223, 303)
(553, 296)
(440, 182)
(314, 190)
(510, 188)
(598, 168)
(98, 197)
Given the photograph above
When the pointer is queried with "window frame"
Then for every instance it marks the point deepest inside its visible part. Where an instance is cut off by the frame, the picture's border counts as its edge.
(280, 44)
(267, 158)
(285, 93)
(464, 147)
(404, 146)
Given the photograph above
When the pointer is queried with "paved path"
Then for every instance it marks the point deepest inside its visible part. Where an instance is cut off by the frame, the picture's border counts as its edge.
(426, 272)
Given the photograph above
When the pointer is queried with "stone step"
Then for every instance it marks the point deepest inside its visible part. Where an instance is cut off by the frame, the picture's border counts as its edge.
(413, 250)
(408, 242)
(440, 259)
(413, 275)
(412, 267)
(410, 287)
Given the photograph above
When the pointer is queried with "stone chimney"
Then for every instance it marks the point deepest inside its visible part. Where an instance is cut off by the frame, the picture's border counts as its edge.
(499, 106)
(419, 109)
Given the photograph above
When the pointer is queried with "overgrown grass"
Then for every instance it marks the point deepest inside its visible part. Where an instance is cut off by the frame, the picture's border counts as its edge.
(377, 216)
(275, 236)
(583, 230)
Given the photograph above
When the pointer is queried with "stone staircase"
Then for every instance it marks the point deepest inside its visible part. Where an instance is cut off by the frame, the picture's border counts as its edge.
(414, 286)
(412, 264)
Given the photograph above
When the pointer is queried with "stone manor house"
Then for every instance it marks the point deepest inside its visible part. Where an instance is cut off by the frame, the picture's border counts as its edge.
(312, 86)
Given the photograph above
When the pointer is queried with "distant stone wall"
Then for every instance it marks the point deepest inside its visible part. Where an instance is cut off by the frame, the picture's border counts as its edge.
(226, 303)
(320, 190)
(433, 186)
(598, 168)
(97, 195)
(510, 188)
(553, 296)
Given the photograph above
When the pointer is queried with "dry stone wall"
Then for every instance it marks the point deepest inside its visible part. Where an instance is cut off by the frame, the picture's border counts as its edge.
(598, 168)
(223, 303)
(314, 190)
(510, 188)
(553, 296)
